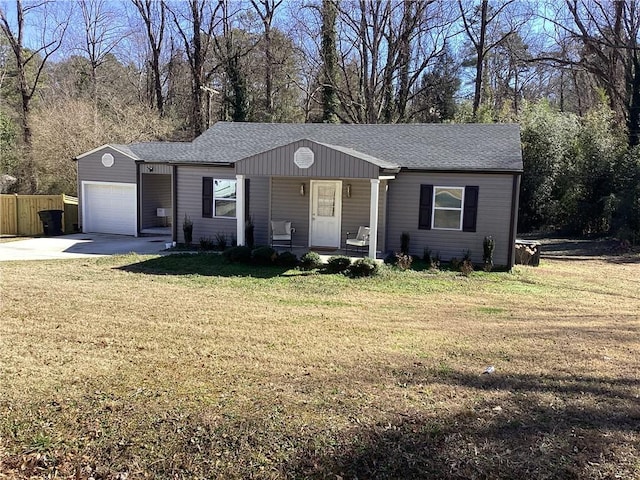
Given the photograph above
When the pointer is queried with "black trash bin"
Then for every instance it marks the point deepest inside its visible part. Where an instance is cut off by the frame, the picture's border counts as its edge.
(51, 221)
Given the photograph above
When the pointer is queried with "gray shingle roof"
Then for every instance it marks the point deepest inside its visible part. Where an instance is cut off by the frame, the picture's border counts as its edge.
(494, 147)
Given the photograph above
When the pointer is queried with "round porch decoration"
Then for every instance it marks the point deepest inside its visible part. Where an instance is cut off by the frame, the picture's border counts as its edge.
(303, 157)
(107, 160)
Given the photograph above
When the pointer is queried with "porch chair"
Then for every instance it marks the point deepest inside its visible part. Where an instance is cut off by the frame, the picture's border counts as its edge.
(360, 242)
(282, 233)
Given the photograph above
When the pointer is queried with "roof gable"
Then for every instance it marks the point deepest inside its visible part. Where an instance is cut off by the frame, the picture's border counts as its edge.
(327, 161)
(122, 149)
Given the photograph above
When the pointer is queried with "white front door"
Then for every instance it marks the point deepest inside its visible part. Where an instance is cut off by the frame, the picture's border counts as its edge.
(326, 213)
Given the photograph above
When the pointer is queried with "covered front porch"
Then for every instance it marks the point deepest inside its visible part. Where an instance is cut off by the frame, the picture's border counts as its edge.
(323, 212)
(326, 192)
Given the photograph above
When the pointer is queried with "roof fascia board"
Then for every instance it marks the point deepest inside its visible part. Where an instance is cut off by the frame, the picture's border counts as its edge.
(106, 145)
(465, 170)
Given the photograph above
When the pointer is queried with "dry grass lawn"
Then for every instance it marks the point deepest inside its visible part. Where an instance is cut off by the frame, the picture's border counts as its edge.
(142, 367)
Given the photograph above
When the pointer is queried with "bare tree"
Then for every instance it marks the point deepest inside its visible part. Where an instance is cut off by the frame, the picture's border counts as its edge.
(484, 30)
(608, 34)
(36, 59)
(266, 10)
(102, 32)
(153, 14)
(195, 27)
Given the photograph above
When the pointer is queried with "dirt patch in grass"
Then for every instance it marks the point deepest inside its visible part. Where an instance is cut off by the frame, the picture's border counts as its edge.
(139, 367)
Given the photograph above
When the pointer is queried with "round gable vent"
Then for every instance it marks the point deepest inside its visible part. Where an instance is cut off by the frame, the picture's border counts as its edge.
(107, 160)
(303, 157)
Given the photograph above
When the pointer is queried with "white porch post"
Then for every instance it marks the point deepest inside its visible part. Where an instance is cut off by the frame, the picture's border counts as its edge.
(373, 217)
(240, 206)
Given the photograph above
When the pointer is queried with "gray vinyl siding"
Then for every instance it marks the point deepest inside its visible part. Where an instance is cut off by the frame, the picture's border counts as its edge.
(494, 215)
(90, 168)
(328, 163)
(259, 188)
(288, 204)
(156, 193)
(355, 210)
(190, 203)
(156, 168)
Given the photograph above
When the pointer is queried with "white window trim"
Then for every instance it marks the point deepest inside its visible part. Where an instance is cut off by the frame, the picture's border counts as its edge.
(434, 208)
(224, 198)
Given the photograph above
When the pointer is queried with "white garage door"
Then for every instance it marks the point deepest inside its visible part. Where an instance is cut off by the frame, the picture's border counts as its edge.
(109, 208)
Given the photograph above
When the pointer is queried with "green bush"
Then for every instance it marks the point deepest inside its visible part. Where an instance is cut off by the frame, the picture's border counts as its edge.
(390, 259)
(264, 256)
(363, 267)
(287, 259)
(310, 261)
(221, 241)
(239, 254)
(206, 243)
(338, 264)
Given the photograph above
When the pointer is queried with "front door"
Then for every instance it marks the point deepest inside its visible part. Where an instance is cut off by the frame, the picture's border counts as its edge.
(326, 213)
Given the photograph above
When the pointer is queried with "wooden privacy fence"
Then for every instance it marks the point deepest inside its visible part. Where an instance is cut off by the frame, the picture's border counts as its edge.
(19, 213)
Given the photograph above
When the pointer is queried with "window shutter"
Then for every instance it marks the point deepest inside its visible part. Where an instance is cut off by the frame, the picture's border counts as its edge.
(470, 212)
(426, 206)
(207, 197)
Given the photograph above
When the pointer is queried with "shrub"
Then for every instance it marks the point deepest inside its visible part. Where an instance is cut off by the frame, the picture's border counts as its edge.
(466, 267)
(310, 261)
(264, 255)
(488, 246)
(338, 264)
(390, 259)
(404, 243)
(287, 259)
(454, 263)
(466, 255)
(403, 261)
(432, 261)
(239, 254)
(363, 267)
(221, 241)
(206, 243)
(248, 233)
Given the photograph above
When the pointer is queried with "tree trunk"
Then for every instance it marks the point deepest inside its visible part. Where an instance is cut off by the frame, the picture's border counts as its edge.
(330, 101)
(477, 94)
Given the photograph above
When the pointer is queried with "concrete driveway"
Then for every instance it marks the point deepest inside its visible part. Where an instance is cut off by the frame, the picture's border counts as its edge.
(79, 245)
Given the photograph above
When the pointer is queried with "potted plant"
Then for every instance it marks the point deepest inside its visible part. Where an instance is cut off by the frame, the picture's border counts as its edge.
(187, 229)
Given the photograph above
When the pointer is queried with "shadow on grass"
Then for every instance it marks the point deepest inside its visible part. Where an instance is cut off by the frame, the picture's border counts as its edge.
(206, 264)
(522, 426)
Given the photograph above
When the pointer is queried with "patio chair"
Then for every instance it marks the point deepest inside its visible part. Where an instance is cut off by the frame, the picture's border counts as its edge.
(282, 233)
(359, 242)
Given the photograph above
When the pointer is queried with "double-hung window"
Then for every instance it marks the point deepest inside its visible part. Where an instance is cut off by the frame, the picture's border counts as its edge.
(448, 208)
(218, 197)
(224, 198)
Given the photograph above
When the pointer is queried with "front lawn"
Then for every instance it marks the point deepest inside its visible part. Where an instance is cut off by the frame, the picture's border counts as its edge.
(186, 367)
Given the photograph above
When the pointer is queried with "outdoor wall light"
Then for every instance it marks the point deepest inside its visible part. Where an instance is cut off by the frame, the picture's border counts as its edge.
(149, 168)
(302, 189)
(348, 190)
